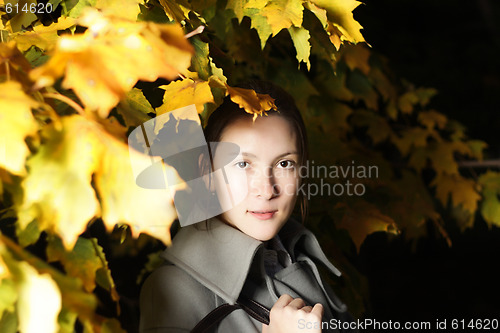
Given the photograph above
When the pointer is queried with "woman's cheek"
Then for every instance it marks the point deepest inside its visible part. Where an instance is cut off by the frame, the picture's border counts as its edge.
(234, 191)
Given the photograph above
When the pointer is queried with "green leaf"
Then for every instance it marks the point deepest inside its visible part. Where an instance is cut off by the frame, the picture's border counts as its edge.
(260, 24)
(238, 7)
(135, 108)
(300, 38)
(75, 8)
(200, 60)
(54, 3)
(476, 148)
(8, 296)
(23, 18)
(67, 320)
(177, 10)
(28, 235)
(8, 322)
(154, 261)
(82, 262)
(490, 207)
(103, 274)
(154, 12)
(36, 57)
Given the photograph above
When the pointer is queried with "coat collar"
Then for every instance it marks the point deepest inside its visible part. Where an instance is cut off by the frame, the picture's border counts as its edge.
(220, 257)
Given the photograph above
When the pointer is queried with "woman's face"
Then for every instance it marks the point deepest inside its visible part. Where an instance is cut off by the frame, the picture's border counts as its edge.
(263, 176)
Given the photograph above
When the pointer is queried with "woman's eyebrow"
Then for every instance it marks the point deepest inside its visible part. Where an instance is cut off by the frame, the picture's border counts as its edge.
(279, 156)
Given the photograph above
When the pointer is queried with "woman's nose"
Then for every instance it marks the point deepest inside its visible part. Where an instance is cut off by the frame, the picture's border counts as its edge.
(264, 186)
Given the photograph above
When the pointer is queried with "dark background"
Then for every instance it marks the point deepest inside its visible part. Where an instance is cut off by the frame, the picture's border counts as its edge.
(453, 46)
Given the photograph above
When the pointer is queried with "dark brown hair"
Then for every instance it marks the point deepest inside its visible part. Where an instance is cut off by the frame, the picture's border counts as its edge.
(228, 112)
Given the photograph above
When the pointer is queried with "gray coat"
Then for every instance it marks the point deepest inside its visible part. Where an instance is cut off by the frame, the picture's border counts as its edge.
(207, 268)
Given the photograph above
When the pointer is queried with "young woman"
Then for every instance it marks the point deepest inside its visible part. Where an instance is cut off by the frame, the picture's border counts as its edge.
(255, 250)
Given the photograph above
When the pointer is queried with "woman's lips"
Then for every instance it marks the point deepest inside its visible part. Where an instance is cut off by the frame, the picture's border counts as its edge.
(263, 215)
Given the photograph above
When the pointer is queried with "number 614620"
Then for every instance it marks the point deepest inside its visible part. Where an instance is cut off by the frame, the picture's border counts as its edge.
(34, 8)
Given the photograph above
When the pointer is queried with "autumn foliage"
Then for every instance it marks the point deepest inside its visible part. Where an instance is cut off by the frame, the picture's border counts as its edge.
(76, 79)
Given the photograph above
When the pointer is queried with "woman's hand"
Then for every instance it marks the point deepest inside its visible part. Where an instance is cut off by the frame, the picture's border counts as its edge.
(289, 315)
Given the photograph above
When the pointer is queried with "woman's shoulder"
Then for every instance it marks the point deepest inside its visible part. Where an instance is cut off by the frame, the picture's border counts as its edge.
(170, 279)
(172, 300)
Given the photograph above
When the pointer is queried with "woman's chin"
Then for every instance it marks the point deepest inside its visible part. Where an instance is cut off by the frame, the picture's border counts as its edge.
(263, 235)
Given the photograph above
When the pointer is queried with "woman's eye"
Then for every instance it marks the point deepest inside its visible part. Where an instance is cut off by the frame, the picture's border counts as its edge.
(242, 165)
(286, 164)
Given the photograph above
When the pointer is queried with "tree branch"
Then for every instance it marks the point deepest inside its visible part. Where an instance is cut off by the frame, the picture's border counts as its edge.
(480, 164)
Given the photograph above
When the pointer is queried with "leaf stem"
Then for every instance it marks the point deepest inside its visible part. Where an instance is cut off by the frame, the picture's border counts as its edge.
(66, 100)
(7, 69)
(196, 31)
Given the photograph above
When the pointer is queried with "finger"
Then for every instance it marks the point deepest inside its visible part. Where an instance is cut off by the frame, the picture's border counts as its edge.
(297, 303)
(283, 301)
(307, 308)
(265, 328)
(318, 310)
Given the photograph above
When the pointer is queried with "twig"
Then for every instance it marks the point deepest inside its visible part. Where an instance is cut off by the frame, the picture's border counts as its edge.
(442, 231)
(480, 164)
(7, 69)
(66, 100)
(196, 31)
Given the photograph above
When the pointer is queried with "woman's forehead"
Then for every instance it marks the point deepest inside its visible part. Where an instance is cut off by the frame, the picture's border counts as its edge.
(272, 136)
(268, 127)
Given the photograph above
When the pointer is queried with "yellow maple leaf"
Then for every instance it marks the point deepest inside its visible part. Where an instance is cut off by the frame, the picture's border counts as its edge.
(183, 93)
(333, 32)
(13, 64)
(411, 137)
(363, 219)
(58, 191)
(335, 35)
(16, 123)
(320, 13)
(239, 6)
(104, 63)
(442, 156)
(357, 56)
(123, 201)
(432, 119)
(250, 101)
(462, 190)
(127, 9)
(179, 94)
(283, 14)
(44, 37)
(39, 301)
(341, 20)
(176, 10)
(4, 270)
